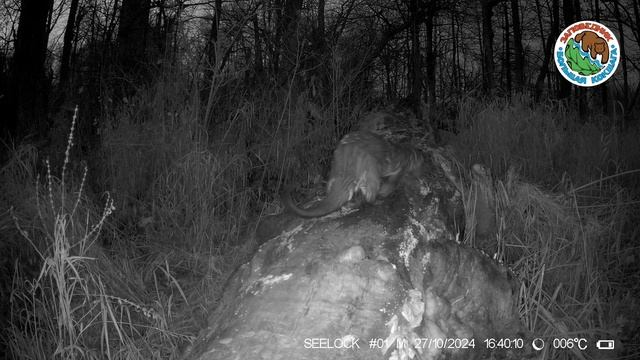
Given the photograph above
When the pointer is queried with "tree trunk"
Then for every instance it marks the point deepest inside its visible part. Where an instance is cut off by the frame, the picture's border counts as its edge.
(568, 12)
(213, 35)
(67, 47)
(415, 60)
(289, 31)
(132, 35)
(258, 62)
(518, 53)
(320, 32)
(548, 48)
(604, 93)
(430, 55)
(29, 94)
(507, 50)
(454, 57)
(389, 76)
(111, 24)
(274, 19)
(636, 15)
(487, 44)
(623, 55)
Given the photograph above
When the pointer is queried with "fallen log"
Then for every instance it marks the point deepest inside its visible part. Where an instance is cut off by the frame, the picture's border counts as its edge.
(386, 281)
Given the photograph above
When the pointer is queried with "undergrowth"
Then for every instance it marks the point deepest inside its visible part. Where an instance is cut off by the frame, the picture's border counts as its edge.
(134, 276)
(71, 298)
(567, 205)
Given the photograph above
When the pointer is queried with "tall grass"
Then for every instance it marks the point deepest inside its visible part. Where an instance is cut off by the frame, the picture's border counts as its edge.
(191, 186)
(544, 141)
(72, 300)
(568, 229)
(190, 173)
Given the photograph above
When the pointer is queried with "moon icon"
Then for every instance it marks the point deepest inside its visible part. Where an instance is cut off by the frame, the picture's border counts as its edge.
(538, 344)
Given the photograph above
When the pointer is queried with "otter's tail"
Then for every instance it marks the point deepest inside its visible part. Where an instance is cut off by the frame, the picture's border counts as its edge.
(336, 197)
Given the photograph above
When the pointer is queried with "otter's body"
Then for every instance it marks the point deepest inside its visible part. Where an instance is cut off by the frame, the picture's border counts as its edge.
(364, 163)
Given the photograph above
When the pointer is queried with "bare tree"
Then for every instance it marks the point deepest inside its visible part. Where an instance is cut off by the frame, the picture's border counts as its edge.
(507, 50)
(213, 33)
(547, 46)
(623, 54)
(486, 8)
(431, 64)
(28, 78)
(287, 36)
(569, 13)
(518, 53)
(415, 58)
(69, 34)
(132, 35)
(320, 31)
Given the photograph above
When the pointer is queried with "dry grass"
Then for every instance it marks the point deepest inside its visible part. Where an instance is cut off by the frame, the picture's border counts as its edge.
(571, 237)
(72, 300)
(135, 277)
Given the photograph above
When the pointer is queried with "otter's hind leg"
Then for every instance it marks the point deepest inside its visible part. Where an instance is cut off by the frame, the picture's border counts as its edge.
(370, 186)
(389, 185)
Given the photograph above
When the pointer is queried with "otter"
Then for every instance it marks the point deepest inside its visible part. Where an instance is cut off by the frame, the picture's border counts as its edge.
(363, 163)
